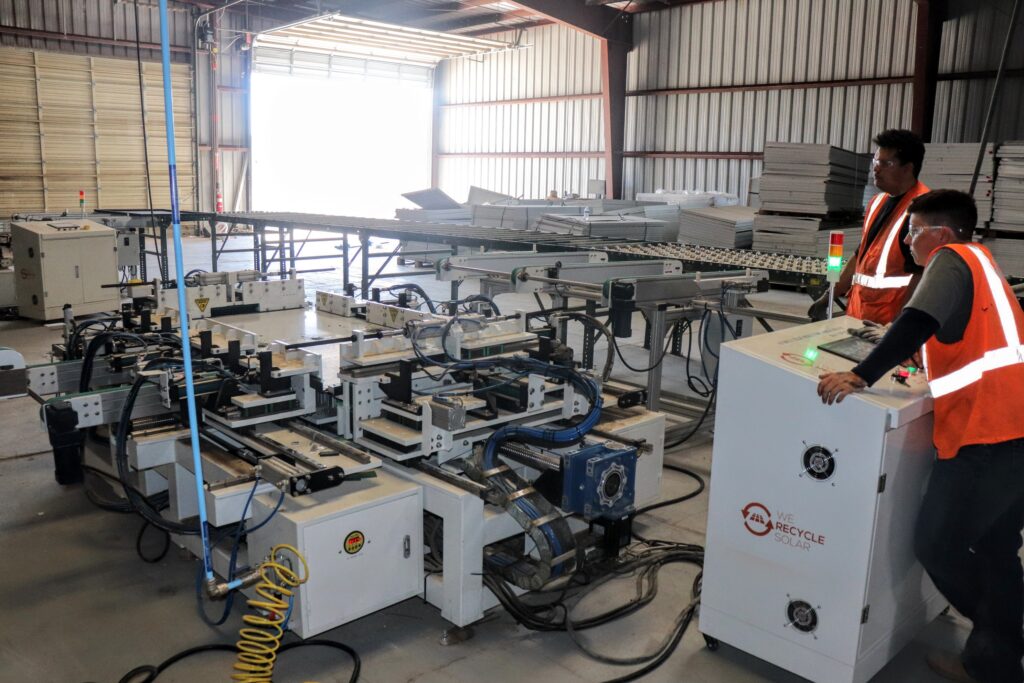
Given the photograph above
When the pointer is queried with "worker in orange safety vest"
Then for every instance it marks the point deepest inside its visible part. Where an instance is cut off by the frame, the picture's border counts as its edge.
(881, 275)
(968, 533)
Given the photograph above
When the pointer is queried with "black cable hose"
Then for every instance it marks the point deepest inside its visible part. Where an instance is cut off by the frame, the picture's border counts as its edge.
(664, 351)
(419, 290)
(701, 485)
(152, 672)
(71, 352)
(157, 500)
(139, 502)
(650, 563)
(138, 544)
(479, 297)
(93, 348)
(600, 327)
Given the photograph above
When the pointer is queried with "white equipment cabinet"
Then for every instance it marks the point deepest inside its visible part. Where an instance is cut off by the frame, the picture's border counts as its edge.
(363, 542)
(810, 561)
(64, 262)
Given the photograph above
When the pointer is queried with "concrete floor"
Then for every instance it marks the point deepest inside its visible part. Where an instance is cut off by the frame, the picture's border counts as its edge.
(81, 606)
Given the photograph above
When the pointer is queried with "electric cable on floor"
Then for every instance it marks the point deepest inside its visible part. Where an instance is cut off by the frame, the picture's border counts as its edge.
(555, 614)
(701, 485)
(152, 672)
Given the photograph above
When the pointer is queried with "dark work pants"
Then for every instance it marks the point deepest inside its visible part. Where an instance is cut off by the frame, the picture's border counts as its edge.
(968, 536)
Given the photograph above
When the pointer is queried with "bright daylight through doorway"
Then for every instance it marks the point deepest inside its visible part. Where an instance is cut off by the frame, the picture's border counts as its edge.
(343, 145)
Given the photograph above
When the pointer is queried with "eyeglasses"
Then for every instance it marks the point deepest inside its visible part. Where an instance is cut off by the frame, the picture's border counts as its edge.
(914, 231)
(884, 163)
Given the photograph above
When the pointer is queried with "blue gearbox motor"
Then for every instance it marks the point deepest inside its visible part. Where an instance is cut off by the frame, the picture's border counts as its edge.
(599, 482)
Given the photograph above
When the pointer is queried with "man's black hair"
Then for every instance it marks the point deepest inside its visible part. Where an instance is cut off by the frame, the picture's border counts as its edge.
(907, 145)
(947, 207)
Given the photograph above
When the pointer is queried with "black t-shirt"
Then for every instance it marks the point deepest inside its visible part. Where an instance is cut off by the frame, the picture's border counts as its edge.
(876, 226)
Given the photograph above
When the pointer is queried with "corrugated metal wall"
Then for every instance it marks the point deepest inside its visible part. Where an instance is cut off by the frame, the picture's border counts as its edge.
(526, 146)
(71, 123)
(972, 40)
(104, 19)
(740, 62)
(113, 21)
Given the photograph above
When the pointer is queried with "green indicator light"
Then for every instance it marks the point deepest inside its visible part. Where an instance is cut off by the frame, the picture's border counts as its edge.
(912, 371)
(835, 262)
(811, 354)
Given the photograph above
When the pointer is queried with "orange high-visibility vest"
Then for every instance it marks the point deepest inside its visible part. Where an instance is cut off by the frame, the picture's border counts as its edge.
(976, 381)
(880, 282)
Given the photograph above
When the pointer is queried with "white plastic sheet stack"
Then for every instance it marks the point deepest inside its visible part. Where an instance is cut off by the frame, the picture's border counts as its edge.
(717, 226)
(950, 167)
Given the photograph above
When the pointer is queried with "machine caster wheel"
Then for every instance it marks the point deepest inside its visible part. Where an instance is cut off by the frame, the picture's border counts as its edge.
(711, 643)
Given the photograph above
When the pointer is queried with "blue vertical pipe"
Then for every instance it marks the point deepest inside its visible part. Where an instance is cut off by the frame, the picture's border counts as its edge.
(186, 349)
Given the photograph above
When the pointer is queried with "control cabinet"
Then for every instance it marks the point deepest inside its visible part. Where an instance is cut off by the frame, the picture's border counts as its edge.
(810, 561)
(66, 261)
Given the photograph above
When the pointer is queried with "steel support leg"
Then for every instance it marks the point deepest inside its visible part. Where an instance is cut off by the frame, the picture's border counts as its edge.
(656, 318)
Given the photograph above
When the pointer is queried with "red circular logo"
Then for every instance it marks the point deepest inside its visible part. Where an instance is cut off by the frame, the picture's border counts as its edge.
(757, 519)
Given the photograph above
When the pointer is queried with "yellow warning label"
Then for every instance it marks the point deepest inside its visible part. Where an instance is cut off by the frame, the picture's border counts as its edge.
(202, 303)
(393, 312)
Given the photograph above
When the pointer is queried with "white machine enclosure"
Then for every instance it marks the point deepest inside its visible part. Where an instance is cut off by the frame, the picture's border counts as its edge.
(364, 548)
(67, 261)
(809, 562)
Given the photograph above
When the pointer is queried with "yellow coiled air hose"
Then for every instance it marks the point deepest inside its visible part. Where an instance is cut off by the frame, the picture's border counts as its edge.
(260, 639)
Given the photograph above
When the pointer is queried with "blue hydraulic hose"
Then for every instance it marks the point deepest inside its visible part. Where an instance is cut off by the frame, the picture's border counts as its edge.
(186, 350)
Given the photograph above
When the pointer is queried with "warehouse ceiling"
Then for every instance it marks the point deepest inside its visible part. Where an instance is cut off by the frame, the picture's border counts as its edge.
(464, 17)
(341, 35)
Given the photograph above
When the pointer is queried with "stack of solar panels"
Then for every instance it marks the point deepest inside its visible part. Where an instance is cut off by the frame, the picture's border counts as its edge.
(951, 166)
(803, 235)
(518, 216)
(1008, 207)
(459, 215)
(623, 226)
(806, 191)
(689, 199)
(717, 226)
(812, 179)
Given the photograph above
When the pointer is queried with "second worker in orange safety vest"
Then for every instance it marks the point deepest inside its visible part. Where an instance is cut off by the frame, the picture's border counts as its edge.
(881, 275)
(968, 531)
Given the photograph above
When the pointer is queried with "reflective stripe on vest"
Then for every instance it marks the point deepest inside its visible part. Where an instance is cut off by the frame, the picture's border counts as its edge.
(879, 280)
(1011, 354)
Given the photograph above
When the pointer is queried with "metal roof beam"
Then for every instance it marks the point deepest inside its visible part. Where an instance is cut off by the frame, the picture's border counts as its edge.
(600, 22)
(460, 21)
(614, 28)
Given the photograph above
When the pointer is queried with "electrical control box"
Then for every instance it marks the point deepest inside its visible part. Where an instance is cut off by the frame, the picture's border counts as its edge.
(809, 561)
(65, 261)
(364, 548)
(129, 248)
